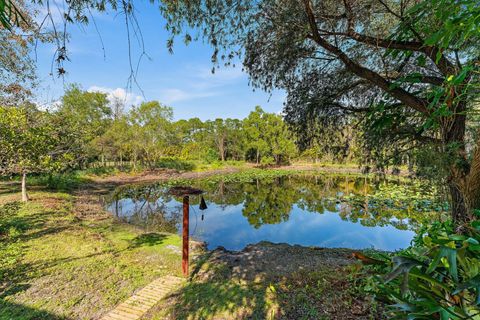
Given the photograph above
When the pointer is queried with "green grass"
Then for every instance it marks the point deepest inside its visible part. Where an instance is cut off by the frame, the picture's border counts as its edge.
(55, 266)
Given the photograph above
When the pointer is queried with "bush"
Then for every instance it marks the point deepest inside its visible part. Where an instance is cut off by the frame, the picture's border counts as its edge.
(438, 277)
(175, 163)
(58, 181)
(267, 161)
(101, 171)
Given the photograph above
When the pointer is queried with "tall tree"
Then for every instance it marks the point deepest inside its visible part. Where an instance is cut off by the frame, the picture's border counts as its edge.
(84, 116)
(152, 121)
(410, 65)
(219, 132)
(268, 137)
(253, 126)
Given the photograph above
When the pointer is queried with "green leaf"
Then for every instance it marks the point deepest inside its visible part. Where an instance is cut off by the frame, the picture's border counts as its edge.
(434, 38)
(401, 265)
(461, 76)
(451, 255)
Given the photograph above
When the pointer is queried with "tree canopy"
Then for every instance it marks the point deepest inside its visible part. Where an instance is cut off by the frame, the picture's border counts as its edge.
(408, 69)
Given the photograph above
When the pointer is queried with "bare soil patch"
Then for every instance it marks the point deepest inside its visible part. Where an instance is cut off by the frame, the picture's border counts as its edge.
(270, 281)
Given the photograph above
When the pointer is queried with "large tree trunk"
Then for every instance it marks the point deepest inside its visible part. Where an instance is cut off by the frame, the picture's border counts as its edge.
(459, 210)
(463, 181)
(24, 187)
(472, 183)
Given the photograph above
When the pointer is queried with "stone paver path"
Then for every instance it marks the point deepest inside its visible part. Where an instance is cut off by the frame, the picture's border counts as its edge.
(138, 304)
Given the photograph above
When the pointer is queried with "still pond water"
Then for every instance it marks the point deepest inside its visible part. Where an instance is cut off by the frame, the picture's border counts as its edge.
(311, 210)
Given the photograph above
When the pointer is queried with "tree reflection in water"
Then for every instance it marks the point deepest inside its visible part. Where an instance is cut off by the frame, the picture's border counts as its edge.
(370, 201)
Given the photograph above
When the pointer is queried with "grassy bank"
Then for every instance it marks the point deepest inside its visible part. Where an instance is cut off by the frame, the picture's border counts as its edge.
(63, 257)
(56, 266)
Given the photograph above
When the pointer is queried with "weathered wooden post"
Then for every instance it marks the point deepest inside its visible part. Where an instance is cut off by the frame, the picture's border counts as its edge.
(185, 192)
(185, 235)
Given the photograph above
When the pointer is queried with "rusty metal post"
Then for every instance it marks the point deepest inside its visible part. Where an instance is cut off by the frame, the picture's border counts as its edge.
(186, 216)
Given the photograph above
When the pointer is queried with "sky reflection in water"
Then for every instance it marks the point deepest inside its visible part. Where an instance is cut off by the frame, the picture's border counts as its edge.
(303, 210)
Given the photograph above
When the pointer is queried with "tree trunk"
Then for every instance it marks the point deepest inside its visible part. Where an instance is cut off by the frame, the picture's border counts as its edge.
(472, 185)
(24, 187)
(222, 154)
(258, 155)
(221, 148)
(463, 181)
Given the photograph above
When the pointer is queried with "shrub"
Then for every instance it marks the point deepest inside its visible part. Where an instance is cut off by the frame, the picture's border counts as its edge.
(58, 181)
(438, 277)
(175, 163)
(267, 161)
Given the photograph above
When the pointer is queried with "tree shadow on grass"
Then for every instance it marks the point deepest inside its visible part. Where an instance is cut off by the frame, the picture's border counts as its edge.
(215, 291)
(221, 299)
(147, 239)
(9, 310)
(20, 273)
(16, 227)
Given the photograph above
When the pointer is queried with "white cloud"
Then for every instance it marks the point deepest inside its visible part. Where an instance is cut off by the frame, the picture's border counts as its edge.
(199, 82)
(172, 95)
(129, 98)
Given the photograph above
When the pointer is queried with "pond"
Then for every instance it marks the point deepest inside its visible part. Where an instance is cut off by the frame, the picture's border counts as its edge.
(348, 211)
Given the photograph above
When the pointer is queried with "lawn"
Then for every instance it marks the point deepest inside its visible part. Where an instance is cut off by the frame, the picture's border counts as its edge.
(54, 265)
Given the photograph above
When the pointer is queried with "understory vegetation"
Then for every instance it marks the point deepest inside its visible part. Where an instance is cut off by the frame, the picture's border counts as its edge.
(437, 277)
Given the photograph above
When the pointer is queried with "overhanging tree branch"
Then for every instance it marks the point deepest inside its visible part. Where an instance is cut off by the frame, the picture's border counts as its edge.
(362, 72)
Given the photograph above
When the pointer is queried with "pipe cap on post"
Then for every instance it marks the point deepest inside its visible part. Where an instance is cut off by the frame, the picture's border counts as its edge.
(184, 191)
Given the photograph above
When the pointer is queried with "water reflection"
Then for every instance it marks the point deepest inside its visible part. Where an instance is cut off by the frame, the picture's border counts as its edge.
(331, 211)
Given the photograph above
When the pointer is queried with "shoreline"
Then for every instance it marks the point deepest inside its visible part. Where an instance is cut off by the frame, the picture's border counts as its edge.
(151, 176)
(89, 197)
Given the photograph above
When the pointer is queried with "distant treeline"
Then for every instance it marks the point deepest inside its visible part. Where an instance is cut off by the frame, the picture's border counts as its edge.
(86, 129)
(146, 135)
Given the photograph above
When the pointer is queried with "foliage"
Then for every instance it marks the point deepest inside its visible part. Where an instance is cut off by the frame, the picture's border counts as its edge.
(58, 181)
(438, 277)
(18, 33)
(29, 142)
(269, 137)
(406, 70)
(174, 163)
(81, 117)
(147, 137)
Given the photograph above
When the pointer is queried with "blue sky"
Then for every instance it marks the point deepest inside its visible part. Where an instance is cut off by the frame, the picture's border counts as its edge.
(183, 80)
